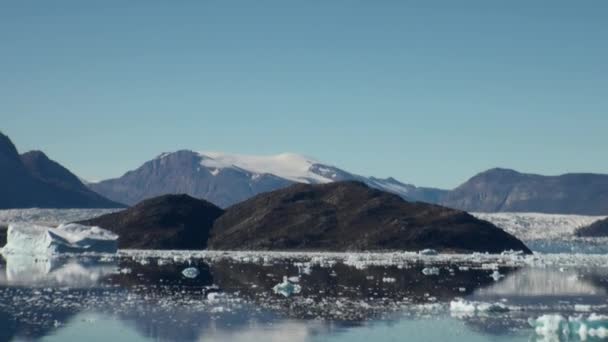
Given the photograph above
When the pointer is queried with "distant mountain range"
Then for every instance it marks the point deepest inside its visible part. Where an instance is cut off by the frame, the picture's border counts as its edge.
(503, 190)
(226, 179)
(33, 180)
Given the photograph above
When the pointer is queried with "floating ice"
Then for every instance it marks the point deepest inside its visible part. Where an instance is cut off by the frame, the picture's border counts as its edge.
(556, 326)
(286, 288)
(66, 238)
(430, 271)
(428, 252)
(462, 307)
(496, 275)
(190, 272)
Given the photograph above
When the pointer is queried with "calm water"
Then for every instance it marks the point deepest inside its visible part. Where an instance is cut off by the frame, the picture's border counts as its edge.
(143, 296)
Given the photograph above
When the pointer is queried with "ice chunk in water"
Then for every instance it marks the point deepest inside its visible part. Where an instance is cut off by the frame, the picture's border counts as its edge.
(556, 326)
(430, 271)
(190, 272)
(462, 307)
(428, 251)
(286, 288)
(66, 238)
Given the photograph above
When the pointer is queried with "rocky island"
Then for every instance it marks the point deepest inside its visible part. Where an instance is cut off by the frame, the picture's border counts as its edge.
(350, 216)
(164, 222)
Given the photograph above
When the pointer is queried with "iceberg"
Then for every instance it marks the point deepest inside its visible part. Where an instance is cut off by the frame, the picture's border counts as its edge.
(66, 238)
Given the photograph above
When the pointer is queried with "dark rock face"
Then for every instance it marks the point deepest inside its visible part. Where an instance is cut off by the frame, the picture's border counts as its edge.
(165, 222)
(350, 216)
(502, 190)
(596, 229)
(33, 180)
(184, 172)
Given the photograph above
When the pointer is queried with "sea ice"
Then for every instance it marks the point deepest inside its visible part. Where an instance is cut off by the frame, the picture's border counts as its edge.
(430, 271)
(462, 307)
(66, 238)
(428, 252)
(190, 272)
(556, 326)
(286, 288)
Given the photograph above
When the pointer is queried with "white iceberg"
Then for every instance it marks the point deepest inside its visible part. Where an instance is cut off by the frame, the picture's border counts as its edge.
(66, 238)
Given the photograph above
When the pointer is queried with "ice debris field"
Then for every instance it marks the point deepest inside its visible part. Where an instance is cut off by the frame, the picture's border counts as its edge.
(52, 271)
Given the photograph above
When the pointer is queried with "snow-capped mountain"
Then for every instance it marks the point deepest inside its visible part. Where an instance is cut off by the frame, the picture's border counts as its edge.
(225, 179)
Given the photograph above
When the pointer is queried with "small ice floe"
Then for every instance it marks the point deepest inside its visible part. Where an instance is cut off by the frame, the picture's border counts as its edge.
(512, 253)
(215, 296)
(427, 271)
(462, 307)
(582, 308)
(557, 326)
(190, 272)
(428, 251)
(496, 275)
(294, 279)
(388, 280)
(31, 239)
(286, 288)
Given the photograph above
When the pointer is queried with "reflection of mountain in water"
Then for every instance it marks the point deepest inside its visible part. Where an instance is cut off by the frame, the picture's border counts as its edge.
(537, 282)
(154, 297)
(32, 271)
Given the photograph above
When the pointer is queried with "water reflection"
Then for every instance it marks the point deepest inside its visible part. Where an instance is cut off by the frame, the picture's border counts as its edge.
(153, 299)
(29, 270)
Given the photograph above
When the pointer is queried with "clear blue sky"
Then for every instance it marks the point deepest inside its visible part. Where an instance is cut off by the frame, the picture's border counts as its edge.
(429, 92)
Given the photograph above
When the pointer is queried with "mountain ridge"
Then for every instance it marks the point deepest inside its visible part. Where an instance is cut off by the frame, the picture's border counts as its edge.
(34, 180)
(226, 179)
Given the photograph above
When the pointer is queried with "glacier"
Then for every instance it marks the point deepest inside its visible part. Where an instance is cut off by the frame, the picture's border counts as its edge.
(31, 239)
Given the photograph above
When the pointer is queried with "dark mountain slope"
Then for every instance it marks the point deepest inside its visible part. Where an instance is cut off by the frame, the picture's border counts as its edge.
(165, 222)
(345, 216)
(33, 180)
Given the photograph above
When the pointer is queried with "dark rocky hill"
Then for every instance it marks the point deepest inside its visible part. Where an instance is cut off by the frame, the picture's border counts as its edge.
(350, 216)
(165, 222)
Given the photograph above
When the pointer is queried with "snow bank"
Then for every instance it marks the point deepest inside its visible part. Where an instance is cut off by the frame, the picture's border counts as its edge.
(66, 238)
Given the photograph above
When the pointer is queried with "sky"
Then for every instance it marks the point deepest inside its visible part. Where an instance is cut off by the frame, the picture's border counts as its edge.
(429, 92)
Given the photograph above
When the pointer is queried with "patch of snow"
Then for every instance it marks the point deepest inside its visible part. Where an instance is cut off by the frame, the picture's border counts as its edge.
(294, 167)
